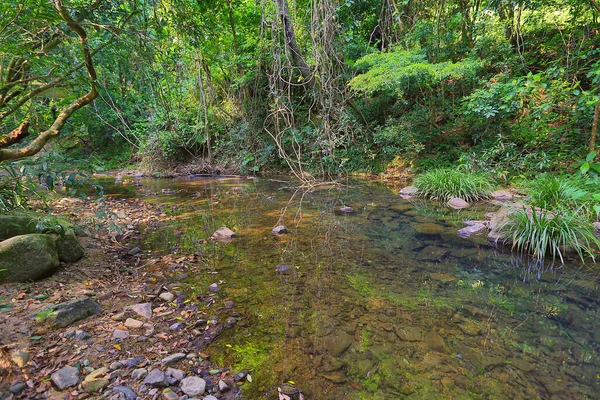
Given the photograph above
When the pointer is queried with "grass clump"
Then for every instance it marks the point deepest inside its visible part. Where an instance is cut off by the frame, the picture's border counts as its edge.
(444, 183)
(544, 232)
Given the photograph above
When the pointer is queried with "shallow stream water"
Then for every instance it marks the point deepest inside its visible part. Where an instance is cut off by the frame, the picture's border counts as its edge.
(383, 303)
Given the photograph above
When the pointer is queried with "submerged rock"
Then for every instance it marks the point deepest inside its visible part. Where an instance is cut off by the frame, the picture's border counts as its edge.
(28, 258)
(467, 231)
(457, 203)
(429, 229)
(279, 230)
(223, 234)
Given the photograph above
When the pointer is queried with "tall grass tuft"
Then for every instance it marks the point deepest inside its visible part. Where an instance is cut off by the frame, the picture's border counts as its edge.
(541, 233)
(444, 184)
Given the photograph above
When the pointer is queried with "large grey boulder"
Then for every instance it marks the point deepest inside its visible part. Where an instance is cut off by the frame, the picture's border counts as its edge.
(27, 258)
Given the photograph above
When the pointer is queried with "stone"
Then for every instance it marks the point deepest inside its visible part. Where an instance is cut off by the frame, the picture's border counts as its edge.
(193, 385)
(279, 230)
(169, 394)
(409, 333)
(134, 251)
(132, 362)
(213, 288)
(115, 365)
(139, 373)
(64, 314)
(122, 316)
(597, 225)
(175, 373)
(132, 323)
(95, 382)
(127, 392)
(223, 386)
(433, 253)
(65, 377)
(501, 195)
(497, 222)
(435, 342)
(409, 191)
(337, 343)
(209, 397)
(177, 326)
(346, 209)
(27, 258)
(156, 378)
(81, 335)
(457, 203)
(120, 334)
(467, 231)
(68, 248)
(19, 223)
(173, 358)
(17, 388)
(141, 309)
(223, 234)
(429, 229)
(21, 358)
(167, 296)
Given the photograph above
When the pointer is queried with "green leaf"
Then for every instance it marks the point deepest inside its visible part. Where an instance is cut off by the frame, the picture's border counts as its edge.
(35, 338)
(585, 168)
(590, 156)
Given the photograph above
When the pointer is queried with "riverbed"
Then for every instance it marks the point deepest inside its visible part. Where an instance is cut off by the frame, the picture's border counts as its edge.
(383, 302)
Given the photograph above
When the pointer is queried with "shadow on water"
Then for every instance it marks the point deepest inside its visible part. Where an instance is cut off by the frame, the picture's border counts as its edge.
(386, 302)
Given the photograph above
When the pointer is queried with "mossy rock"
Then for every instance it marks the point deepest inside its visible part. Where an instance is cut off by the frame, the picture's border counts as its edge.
(26, 258)
(24, 223)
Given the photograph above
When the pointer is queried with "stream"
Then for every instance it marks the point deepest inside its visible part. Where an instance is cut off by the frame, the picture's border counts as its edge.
(386, 302)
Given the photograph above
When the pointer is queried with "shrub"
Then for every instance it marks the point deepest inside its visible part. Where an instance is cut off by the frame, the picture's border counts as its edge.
(543, 232)
(444, 184)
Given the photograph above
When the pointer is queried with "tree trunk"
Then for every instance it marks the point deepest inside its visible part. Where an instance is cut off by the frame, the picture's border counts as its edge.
(594, 127)
(298, 60)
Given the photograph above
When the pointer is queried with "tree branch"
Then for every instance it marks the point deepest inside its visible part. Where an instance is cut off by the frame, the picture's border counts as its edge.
(15, 136)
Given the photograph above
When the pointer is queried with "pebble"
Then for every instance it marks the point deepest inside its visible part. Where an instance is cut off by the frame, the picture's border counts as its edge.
(173, 358)
(132, 362)
(82, 335)
(167, 296)
(134, 251)
(156, 378)
(176, 327)
(120, 334)
(17, 387)
(347, 209)
(193, 385)
(119, 316)
(223, 387)
(168, 394)
(141, 309)
(133, 323)
(228, 304)
(139, 373)
(20, 358)
(65, 377)
(115, 365)
(209, 397)
(128, 392)
(177, 374)
(214, 288)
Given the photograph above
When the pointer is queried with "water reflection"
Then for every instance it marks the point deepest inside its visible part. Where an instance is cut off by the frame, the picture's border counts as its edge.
(385, 302)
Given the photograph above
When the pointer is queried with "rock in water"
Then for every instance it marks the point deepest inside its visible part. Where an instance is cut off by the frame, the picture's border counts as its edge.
(279, 230)
(409, 191)
(501, 195)
(429, 229)
(457, 203)
(471, 229)
(27, 258)
(65, 377)
(223, 234)
(193, 385)
(64, 314)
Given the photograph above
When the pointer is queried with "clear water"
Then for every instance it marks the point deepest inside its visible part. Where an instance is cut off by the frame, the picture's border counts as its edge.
(372, 309)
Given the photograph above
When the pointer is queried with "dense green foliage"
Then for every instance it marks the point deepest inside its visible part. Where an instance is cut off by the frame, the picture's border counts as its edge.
(321, 87)
(444, 184)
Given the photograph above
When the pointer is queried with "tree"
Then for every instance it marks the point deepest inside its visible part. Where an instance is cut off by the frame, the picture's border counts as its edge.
(44, 49)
